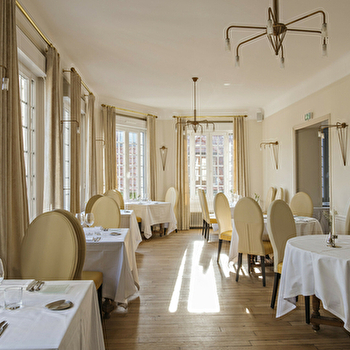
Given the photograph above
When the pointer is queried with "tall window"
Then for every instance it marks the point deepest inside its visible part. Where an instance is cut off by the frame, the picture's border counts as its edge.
(27, 86)
(210, 164)
(131, 147)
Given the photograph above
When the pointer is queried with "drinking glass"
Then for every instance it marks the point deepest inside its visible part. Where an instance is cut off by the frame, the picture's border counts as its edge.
(80, 217)
(89, 219)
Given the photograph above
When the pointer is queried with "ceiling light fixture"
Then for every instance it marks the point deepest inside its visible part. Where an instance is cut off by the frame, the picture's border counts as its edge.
(195, 124)
(276, 32)
(5, 80)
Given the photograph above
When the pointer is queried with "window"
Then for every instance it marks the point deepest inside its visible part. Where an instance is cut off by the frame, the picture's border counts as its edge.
(131, 161)
(210, 164)
(27, 85)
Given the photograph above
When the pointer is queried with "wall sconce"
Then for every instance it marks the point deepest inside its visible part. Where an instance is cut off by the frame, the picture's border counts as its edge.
(163, 155)
(71, 121)
(274, 151)
(5, 80)
(342, 130)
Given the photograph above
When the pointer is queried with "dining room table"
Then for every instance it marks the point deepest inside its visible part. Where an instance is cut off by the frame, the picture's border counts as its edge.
(128, 220)
(36, 325)
(112, 252)
(153, 213)
(304, 226)
(311, 267)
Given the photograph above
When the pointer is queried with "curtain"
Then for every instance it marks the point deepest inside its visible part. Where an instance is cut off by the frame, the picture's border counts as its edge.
(53, 161)
(181, 178)
(110, 151)
(151, 158)
(75, 82)
(91, 151)
(240, 183)
(14, 217)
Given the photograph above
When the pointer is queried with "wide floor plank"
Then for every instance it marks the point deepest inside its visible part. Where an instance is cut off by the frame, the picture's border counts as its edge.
(189, 301)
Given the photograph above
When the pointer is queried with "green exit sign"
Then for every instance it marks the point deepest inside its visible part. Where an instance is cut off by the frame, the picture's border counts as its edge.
(308, 116)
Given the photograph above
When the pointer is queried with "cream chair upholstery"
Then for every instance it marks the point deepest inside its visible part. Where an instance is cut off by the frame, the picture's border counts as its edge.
(270, 197)
(223, 216)
(249, 224)
(106, 213)
(208, 218)
(49, 249)
(91, 202)
(280, 227)
(279, 194)
(301, 204)
(95, 276)
(117, 196)
(347, 222)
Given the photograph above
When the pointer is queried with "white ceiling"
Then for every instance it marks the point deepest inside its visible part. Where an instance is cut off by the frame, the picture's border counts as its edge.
(146, 51)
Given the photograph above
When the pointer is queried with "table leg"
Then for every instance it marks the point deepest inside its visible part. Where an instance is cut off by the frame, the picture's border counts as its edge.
(107, 307)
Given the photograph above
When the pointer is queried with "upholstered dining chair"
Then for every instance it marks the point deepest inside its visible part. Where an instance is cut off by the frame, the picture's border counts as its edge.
(223, 216)
(117, 196)
(249, 224)
(49, 249)
(208, 218)
(280, 227)
(106, 213)
(270, 197)
(91, 202)
(279, 194)
(95, 276)
(301, 204)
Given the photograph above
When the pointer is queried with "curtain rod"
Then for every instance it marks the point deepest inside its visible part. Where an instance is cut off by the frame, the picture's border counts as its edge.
(82, 83)
(130, 111)
(48, 42)
(211, 116)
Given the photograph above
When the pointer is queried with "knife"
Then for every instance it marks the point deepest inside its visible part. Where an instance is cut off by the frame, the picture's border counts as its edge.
(31, 285)
(2, 329)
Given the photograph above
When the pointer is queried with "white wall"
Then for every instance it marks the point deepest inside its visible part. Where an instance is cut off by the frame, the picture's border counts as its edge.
(334, 100)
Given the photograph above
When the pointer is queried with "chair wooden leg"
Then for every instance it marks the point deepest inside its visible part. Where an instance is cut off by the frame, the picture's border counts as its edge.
(275, 287)
(307, 309)
(208, 229)
(262, 259)
(239, 265)
(249, 257)
(99, 298)
(203, 227)
(219, 249)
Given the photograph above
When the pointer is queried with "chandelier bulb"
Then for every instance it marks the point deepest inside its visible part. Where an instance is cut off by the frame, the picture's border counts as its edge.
(237, 63)
(227, 44)
(324, 50)
(5, 83)
(324, 31)
(269, 28)
(282, 62)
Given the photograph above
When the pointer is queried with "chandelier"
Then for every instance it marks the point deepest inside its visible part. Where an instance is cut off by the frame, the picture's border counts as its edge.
(195, 124)
(276, 32)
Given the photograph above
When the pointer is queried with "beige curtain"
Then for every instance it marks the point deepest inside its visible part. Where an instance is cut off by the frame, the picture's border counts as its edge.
(151, 158)
(181, 178)
(110, 152)
(240, 183)
(75, 83)
(13, 192)
(91, 151)
(53, 162)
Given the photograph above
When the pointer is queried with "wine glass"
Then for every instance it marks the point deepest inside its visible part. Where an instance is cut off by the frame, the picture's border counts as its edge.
(2, 272)
(89, 219)
(81, 218)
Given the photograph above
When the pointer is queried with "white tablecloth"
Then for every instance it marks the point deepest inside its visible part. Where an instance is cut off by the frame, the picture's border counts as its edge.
(128, 220)
(36, 327)
(310, 267)
(114, 256)
(304, 226)
(153, 213)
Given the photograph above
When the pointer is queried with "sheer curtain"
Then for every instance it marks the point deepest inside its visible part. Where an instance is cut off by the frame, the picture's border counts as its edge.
(181, 178)
(14, 218)
(75, 83)
(151, 158)
(53, 161)
(110, 152)
(240, 183)
(91, 151)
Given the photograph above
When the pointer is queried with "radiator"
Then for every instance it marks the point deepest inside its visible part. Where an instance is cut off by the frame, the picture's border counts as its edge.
(196, 220)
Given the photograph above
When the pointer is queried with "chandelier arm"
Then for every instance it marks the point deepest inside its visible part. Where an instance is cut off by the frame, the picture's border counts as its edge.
(247, 27)
(272, 43)
(307, 16)
(304, 30)
(271, 15)
(248, 40)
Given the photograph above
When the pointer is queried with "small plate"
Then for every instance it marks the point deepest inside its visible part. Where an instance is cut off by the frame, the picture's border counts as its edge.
(59, 305)
(115, 233)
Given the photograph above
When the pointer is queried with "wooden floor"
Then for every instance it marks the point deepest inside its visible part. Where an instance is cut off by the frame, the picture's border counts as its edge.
(189, 301)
